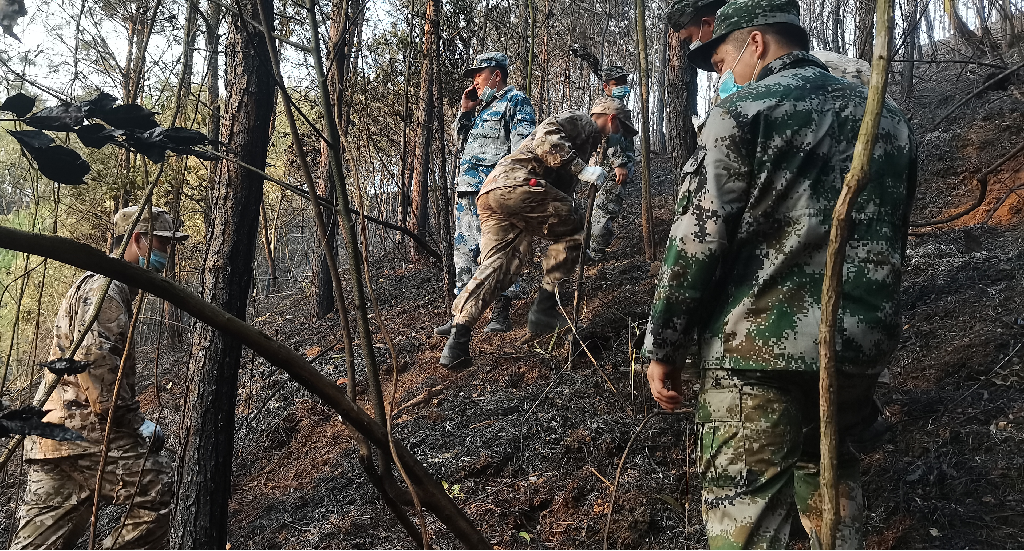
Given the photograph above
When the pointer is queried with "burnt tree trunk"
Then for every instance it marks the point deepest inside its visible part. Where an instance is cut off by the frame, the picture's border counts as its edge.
(680, 101)
(864, 36)
(421, 180)
(201, 516)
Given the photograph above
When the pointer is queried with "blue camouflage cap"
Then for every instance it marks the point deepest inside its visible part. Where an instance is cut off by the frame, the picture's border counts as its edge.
(483, 61)
(743, 14)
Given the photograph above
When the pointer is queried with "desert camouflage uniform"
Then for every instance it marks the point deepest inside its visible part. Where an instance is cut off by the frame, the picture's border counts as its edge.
(743, 272)
(512, 211)
(499, 128)
(62, 475)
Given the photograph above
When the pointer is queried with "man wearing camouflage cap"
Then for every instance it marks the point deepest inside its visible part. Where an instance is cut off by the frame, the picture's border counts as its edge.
(529, 194)
(744, 268)
(619, 160)
(62, 475)
(505, 118)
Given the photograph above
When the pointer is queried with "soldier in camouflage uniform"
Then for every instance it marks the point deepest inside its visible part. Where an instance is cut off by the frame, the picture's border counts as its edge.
(744, 269)
(505, 118)
(529, 194)
(618, 161)
(62, 475)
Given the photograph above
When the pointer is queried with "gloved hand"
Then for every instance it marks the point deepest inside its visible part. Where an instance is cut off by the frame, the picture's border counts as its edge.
(593, 175)
(153, 435)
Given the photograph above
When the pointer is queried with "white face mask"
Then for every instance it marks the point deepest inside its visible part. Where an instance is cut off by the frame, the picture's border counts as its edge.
(697, 43)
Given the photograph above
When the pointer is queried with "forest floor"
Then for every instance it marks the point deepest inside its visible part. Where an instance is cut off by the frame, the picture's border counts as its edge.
(530, 445)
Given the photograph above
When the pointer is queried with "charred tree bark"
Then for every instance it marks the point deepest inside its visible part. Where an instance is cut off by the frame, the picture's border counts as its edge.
(209, 419)
(864, 34)
(646, 212)
(421, 180)
(680, 100)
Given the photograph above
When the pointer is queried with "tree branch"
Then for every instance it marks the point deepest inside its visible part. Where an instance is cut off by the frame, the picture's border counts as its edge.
(85, 257)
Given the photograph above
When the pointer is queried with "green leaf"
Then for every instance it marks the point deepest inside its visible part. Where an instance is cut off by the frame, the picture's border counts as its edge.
(525, 536)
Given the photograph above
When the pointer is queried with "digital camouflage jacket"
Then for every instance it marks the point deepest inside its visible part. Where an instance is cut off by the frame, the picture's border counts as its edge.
(81, 402)
(553, 154)
(745, 260)
(499, 128)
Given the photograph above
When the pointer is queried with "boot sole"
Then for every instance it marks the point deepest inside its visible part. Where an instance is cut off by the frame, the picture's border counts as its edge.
(497, 329)
(461, 364)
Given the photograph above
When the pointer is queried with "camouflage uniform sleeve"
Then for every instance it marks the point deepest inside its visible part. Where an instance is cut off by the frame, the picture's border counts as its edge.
(462, 124)
(103, 344)
(554, 141)
(522, 120)
(621, 151)
(699, 239)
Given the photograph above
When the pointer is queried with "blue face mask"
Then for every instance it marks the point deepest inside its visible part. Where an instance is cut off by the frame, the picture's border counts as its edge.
(727, 85)
(488, 94)
(621, 92)
(158, 261)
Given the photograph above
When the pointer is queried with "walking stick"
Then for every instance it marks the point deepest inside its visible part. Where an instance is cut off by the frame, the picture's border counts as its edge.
(595, 160)
(833, 287)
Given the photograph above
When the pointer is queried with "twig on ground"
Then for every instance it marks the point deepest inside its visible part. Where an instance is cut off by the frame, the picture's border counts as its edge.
(618, 473)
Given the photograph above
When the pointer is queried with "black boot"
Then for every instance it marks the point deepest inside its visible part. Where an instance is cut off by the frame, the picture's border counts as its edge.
(455, 355)
(443, 330)
(545, 316)
(501, 316)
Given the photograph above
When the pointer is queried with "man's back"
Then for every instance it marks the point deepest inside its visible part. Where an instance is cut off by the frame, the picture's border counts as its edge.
(777, 153)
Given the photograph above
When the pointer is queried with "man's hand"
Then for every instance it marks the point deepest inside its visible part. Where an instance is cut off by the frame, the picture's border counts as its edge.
(621, 174)
(467, 103)
(665, 384)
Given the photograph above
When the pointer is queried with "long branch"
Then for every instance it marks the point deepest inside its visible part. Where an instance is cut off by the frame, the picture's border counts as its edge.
(282, 356)
(836, 255)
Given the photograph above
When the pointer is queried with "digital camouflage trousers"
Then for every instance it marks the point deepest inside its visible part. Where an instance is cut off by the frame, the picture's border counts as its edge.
(759, 456)
(510, 218)
(59, 498)
(467, 243)
(607, 208)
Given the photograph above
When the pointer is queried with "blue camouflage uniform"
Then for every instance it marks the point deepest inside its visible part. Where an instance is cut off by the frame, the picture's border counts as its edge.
(493, 133)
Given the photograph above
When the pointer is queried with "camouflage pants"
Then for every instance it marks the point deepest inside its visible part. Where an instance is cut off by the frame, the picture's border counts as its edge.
(759, 456)
(59, 499)
(510, 217)
(607, 208)
(467, 243)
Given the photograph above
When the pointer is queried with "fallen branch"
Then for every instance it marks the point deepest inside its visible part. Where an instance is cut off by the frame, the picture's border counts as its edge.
(85, 257)
(975, 93)
(618, 473)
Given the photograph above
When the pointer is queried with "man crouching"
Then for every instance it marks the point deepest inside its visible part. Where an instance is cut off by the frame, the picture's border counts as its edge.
(529, 193)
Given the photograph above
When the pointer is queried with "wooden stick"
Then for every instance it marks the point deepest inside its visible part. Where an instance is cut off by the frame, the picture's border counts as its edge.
(832, 290)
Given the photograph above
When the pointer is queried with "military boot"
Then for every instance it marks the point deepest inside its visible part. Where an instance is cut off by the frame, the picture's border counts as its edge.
(455, 355)
(443, 330)
(545, 316)
(501, 316)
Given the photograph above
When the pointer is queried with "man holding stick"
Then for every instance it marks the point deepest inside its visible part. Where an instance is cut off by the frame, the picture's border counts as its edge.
(529, 194)
(744, 269)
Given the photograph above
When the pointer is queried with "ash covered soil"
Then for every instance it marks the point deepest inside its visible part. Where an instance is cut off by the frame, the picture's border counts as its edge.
(530, 445)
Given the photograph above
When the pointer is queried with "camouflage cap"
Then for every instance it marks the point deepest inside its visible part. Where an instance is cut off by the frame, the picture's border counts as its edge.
(162, 224)
(742, 14)
(612, 106)
(682, 11)
(611, 72)
(483, 61)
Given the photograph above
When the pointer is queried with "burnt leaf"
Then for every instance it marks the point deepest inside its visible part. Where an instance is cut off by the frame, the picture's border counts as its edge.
(197, 153)
(61, 164)
(32, 140)
(184, 137)
(97, 135)
(95, 108)
(148, 143)
(62, 367)
(129, 117)
(59, 118)
(19, 104)
(28, 421)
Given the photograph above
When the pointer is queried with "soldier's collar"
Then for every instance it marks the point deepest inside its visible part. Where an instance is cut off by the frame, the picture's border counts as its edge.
(791, 60)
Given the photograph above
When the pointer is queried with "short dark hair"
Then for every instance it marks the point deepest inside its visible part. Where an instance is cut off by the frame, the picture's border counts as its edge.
(786, 34)
(618, 80)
